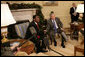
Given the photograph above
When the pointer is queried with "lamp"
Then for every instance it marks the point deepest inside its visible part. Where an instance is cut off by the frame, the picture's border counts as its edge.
(6, 20)
(80, 10)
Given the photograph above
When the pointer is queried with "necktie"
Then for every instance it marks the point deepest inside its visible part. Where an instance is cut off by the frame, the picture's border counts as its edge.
(37, 26)
(55, 29)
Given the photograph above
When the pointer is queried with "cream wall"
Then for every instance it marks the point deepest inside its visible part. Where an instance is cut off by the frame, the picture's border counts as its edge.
(61, 11)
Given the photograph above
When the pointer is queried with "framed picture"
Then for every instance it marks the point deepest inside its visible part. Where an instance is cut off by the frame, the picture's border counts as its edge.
(50, 3)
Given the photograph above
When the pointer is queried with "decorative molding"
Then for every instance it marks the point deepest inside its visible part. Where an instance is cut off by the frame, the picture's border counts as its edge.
(50, 3)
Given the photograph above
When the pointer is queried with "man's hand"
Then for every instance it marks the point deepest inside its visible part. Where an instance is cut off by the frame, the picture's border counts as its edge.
(74, 13)
(14, 46)
(62, 29)
(18, 48)
(82, 29)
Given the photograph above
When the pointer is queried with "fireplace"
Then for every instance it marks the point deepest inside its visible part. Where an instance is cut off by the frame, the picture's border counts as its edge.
(23, 14)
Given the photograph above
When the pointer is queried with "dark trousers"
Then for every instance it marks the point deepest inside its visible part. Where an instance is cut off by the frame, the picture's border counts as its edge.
(55, 42)
(52, 38)
(46, 42)
(39, 44)
(43, 46)
(63, 39)
(74, 18)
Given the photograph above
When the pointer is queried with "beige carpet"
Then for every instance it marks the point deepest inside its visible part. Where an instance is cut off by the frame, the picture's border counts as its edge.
(68, 51)
(39, 54)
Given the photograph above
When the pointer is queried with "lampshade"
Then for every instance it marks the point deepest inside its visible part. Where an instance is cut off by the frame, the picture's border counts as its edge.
(80, 8)
(6, 16)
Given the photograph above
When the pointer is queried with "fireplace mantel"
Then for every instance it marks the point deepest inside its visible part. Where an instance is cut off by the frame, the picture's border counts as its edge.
(23, 14)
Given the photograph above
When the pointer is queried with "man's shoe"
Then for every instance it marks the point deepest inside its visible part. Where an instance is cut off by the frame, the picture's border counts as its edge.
(44, 51)
(55, 45)
(63, 46)
(37, 52)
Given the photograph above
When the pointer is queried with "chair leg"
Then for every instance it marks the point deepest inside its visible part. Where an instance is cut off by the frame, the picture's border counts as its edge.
(74, 51)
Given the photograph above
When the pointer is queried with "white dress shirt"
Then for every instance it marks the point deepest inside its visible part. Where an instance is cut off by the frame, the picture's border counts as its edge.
(74, 9)
(36, 23)
(55, 23)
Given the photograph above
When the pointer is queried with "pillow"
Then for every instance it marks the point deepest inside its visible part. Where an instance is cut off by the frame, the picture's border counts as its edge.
(21, 29)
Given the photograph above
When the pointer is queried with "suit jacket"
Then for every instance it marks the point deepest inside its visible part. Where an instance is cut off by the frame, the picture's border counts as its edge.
(72, 11)
(29, 34)
(73, 18)
(50, 26)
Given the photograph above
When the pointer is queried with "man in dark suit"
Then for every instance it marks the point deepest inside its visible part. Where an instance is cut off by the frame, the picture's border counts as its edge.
(35, 23)
(55, 26)
(74, 15)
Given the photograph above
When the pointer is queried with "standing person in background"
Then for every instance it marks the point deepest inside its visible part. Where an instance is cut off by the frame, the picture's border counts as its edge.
(74, 15)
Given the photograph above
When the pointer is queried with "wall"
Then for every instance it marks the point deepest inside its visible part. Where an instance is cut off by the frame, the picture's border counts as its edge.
(61, 11)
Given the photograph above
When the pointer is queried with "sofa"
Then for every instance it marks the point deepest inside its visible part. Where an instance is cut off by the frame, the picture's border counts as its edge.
(18, 30)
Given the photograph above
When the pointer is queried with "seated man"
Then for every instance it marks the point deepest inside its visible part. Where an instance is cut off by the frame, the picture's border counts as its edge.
(54, 25)
(35, 23)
